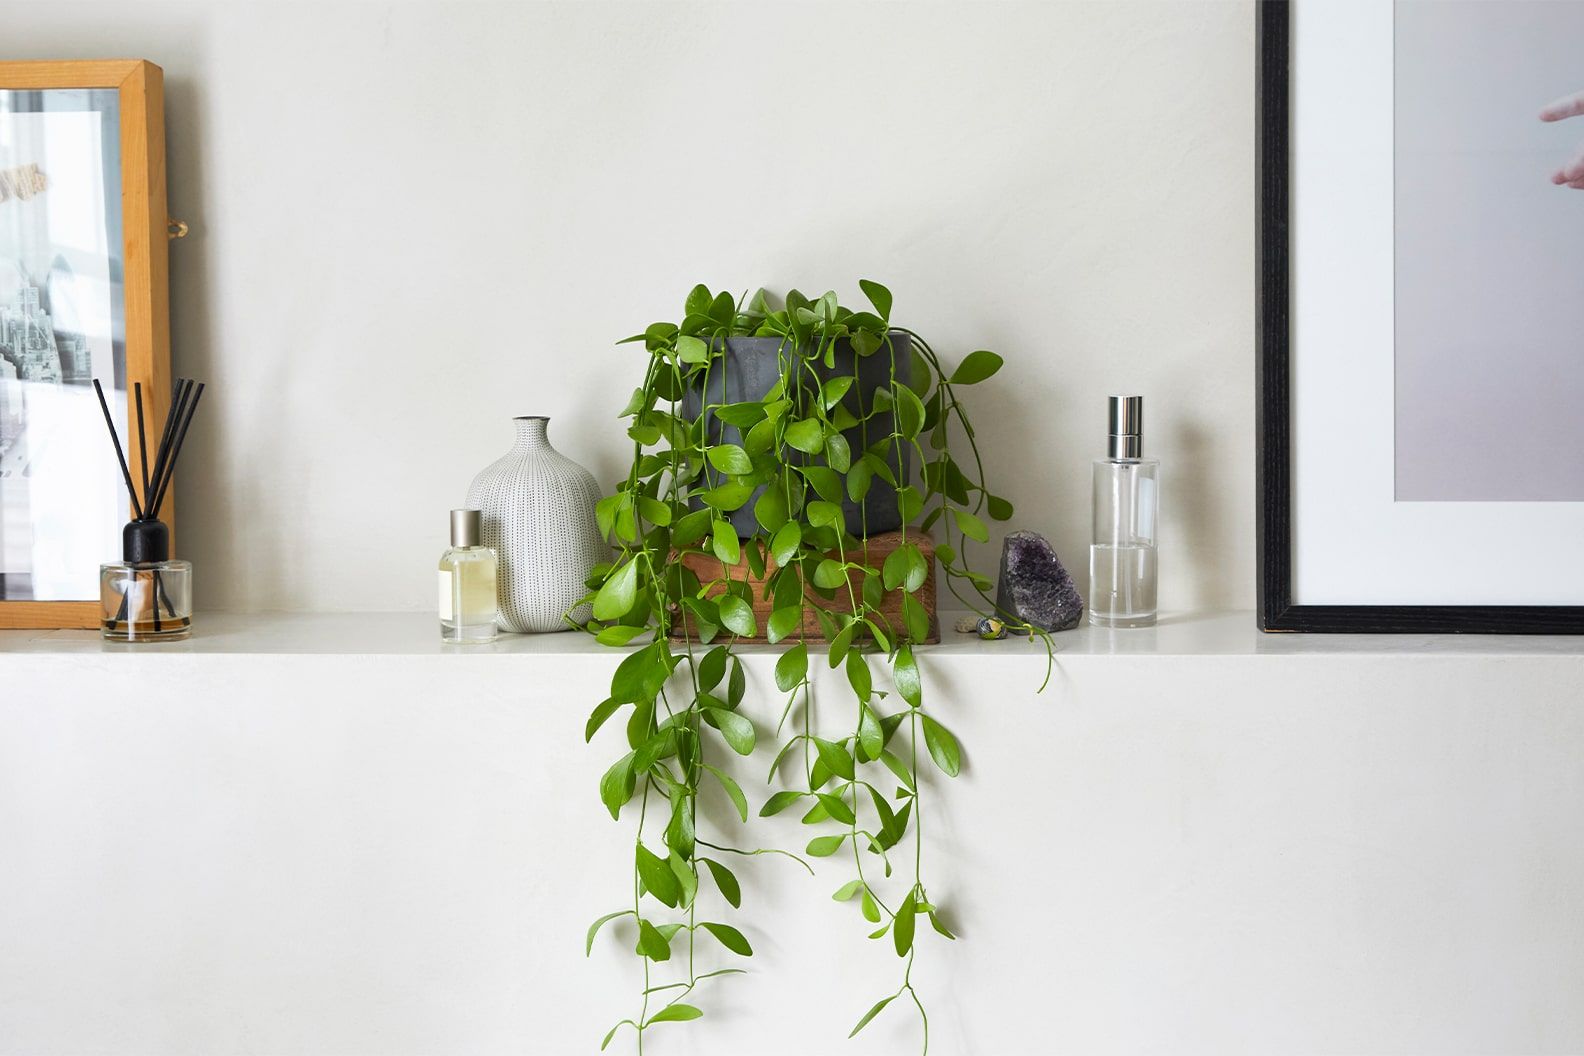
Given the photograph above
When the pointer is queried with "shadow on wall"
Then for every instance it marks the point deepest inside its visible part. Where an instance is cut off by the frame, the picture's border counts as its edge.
(1199, 516)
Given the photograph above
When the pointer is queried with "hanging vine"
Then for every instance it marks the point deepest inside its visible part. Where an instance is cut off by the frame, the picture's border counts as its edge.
(816, 436)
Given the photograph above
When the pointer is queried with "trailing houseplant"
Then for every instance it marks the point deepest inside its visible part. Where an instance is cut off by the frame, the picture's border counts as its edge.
(773, 443)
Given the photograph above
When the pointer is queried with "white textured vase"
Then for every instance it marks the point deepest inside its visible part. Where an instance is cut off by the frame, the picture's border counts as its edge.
(538, 508)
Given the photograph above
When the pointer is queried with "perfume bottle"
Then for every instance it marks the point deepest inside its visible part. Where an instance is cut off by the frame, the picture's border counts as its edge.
(467, 583)
(145, 597)
(1122, 566)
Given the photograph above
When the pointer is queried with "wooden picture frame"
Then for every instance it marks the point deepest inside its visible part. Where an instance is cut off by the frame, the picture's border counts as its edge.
(139, 86)
(1277, 610)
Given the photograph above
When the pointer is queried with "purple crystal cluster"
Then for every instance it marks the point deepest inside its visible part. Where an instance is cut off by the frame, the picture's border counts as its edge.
(1034, 586)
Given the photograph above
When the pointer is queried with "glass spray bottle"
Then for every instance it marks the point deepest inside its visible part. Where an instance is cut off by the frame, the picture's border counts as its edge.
(1122, 565)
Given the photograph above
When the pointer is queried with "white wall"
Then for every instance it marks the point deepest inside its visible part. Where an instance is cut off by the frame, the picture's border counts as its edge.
(413, 221)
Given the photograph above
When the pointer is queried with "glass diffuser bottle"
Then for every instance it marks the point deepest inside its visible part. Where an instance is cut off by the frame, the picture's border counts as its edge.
(468, 608)
(146, 596)
(1122, 564)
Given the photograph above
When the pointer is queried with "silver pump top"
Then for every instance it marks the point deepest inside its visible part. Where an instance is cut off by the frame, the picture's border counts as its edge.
(467, 527)
(1126, 438)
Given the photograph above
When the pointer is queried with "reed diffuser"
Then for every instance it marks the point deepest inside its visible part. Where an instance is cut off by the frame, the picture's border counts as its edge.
(146, 596)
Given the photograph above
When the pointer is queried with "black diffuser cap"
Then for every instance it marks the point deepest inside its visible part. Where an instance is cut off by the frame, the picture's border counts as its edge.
(145, 542)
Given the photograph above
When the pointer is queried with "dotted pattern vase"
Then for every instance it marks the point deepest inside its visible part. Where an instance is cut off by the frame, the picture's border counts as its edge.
(538, 508)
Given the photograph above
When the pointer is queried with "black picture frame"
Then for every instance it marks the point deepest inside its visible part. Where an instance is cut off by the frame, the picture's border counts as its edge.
(1273, 407)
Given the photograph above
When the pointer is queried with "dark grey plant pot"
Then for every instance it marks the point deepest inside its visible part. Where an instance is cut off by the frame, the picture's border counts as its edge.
(752, 366)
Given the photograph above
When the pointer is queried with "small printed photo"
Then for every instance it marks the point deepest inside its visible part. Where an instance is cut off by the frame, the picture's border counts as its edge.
(62, 324)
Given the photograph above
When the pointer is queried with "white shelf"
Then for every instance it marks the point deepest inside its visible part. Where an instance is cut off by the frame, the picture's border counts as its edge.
(1216, 634)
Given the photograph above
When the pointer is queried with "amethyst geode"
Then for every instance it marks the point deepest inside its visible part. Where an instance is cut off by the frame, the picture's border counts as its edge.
(1034, 586)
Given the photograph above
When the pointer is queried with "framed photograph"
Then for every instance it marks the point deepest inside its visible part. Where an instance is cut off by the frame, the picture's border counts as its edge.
(1421, 316)
(83, 288)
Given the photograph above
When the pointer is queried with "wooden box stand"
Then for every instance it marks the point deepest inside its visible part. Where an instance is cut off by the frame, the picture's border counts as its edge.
(875, 550)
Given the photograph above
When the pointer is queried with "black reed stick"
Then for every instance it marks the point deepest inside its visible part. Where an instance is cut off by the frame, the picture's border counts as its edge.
(172, 416)
(126, 474)
(170, 465)
(137, 389)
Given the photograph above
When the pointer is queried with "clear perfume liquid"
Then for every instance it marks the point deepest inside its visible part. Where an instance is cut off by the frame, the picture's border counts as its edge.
(1123, 570)
(467, 594)
(1122, 583)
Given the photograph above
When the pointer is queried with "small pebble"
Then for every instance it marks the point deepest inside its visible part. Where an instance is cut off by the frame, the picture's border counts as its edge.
(991, 629)
(967, 624)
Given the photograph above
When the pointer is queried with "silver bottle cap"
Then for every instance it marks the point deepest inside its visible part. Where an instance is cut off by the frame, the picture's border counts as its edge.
(1127, 427)
(467, 527)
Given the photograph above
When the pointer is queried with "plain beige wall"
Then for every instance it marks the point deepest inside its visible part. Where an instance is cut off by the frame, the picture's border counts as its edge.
(412, 221)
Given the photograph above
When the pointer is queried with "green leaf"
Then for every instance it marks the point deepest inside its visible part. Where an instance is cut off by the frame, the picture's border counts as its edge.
(728, 497)
(909, 412)
(657, 877)
(618, 593)
(654, 511)
(825, 846)
(691, 528)
(830, 574)
(942, 747)
(837, 808)
(616, 787)
(917, 569)
(679, 866)
(761, 437)
(783, 622)
(827, 484)
(905, 673)
(1000, 509)
(871, 739)
(742, 415)
(619, 634)
(899, 768)
(725, 544)
(935, 922)
(822, 513)
(971, 526)
(624, 1023)
(835, 758)
(676, 1013)
(588, 946)
(712, 668)
(895, 568)
(858, 480)
(779, 802)
(738, 731)
(842, 642)
(880, 297)
(869, 907)
(691, 349)
(914, 618)
(792, 668)
(771, 509)
(873, 1012)
(845, 893)
(729, 458)
(730, 938)
(977, 367)
(733, 790)
(834, 389)
(910, 503)
(784, 545)
(725, 881)
(838, 454)
(597, 718)
(807, 435)
(902, 927)
(858, 676)
(698, 300)
(737, 616)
